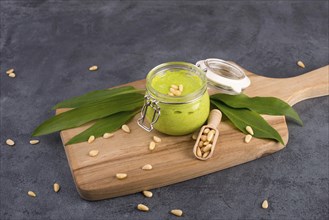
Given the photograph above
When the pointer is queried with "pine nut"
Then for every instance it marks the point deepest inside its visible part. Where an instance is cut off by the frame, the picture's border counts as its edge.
(143, 207)
(206, 154)
(125, 128)
(170, 94)
(31, 193)
(10, 142)
(107, 135)
(194, 136)
(121, 176)
(301, 64)
(152, 145)
(56, 187)
(250, 130)
(203, 138)
(247, 138)
(207, 148)
(147, 194)
(12, 75)
(147, 167)
(177, 212)
(10, 71)
(177, 92)
(34, 142)
(156, 139)
(206, 131)
(210, 135)
(200, 144)
(93, 68)
(174, 86)
(181, 88)
(91, 139)
(93, 153)
(206, 143)
(265, 204)
(198, 152)
(172, 90)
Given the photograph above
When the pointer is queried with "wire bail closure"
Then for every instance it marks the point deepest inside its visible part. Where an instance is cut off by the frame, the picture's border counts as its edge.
(153, 103)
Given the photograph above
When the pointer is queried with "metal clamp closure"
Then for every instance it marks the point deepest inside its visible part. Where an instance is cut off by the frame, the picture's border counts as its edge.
(153, 103)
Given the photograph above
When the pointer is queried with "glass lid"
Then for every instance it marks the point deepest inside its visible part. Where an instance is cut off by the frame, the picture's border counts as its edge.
(224, 75)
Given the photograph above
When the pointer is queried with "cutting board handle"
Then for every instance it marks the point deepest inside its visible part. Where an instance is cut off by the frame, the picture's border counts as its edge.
(295, 89)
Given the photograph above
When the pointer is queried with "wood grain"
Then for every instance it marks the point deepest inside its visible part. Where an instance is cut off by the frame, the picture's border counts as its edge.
(173, 160)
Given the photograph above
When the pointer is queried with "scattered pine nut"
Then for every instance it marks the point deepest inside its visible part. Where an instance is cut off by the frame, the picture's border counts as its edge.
(177, 212)
(12, 75)
(174, 87)
(170, 94)
(121, 176)
(10, 71)
(93, 68)
(143, 207)
(152, 145)
(93, 153)
(91, 139)
(301, 64)
(249, 129)
(34, 142)
(125, 128)
(180, 88)
(194, 135)
(156, 139)
(147, 167)
(265, 204)
(10, 142)
(107, 135)
(247, 138)
(56, 187)
(147, 194)
(31, 193)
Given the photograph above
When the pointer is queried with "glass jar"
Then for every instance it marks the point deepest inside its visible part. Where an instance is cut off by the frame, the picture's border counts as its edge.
(175, 115)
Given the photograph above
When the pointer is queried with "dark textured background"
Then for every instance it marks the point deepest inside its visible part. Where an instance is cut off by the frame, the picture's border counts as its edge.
(51, 44)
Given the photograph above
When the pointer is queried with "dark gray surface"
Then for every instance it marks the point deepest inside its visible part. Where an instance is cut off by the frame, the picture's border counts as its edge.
(51, 45)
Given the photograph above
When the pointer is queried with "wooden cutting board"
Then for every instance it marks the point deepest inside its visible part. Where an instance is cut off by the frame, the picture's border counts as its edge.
(172, 159)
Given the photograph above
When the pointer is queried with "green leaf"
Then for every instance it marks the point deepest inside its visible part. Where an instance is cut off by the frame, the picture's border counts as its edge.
(243, 117)
(80, 116)
(262, 105)
(94, 97)
(103, 125)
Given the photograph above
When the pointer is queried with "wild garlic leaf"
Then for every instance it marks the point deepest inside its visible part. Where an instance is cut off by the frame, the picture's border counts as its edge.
(243, 117)
(108, 124)
(94, 97)
(261, 105)
(79, 116)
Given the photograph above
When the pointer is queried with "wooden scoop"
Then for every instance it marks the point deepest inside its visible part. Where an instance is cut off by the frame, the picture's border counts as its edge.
(206, 141)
